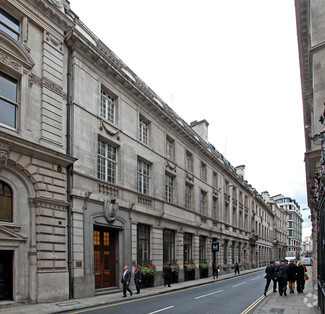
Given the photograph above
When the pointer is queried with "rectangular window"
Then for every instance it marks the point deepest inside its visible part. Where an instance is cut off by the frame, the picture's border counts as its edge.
(189, 161)
(143, 244)
(203, 173)
(169, 188)
(214, 208)
(143, 131)
(225, 252)
(203, 202)
(106, 162)
(169, 148)
(187, 248)
(9, 24)
(188, 196)
(8, 100)
(215, 180)
(143, 176)
(202, 251)
(107, 108)
(168, 246)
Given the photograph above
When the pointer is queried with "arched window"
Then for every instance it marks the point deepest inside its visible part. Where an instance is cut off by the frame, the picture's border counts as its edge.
(5, 202)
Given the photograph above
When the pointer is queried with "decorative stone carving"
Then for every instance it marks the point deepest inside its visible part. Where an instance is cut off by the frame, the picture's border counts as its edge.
(170, 166)
(4, 153)
(53, 40)
(111, 133)
(9, 62)
(110, 210)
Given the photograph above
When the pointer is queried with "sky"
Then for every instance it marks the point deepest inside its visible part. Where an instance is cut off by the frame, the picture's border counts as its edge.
(234, 63)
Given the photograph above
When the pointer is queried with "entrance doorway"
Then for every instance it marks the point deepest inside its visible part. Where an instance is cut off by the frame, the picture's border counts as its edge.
(6, 275)
(104, 257)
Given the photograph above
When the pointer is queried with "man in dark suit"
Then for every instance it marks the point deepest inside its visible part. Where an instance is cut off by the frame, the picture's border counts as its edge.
(137, 277)
(167, 275)
(281, 273)
(126, 277)
(270, 275)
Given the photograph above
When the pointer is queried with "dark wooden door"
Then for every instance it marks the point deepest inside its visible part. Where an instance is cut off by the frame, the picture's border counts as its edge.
(104, 258)
(6, 275)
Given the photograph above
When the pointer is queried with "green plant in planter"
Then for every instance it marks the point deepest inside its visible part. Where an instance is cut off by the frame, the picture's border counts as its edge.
(175, 268)
(148, 270)
(204, 265)
(189, 267)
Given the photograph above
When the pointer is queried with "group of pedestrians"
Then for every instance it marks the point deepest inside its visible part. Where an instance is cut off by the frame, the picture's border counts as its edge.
(285, 275)
(126, 278)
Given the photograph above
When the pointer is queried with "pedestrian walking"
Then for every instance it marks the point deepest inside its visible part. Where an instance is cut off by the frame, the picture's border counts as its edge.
(281, 274)
(137, 278)
(236, 268)
(292, 275)
(270, 275)
(215, 270)
(167, 275)
(301, 272)
(125, 280)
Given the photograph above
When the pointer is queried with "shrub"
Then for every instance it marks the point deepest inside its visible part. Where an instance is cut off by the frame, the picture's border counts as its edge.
(148, 270)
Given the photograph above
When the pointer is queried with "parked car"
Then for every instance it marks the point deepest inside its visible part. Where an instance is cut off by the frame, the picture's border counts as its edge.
(306, 261)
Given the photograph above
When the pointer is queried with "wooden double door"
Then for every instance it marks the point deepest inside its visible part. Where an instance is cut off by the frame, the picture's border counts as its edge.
(6, 260)
(104, 257)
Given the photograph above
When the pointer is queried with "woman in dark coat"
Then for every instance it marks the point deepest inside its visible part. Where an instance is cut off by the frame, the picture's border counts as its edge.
(301, 277)
(292, 275)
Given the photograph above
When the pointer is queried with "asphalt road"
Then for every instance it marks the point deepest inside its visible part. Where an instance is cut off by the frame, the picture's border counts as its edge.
(228, 296)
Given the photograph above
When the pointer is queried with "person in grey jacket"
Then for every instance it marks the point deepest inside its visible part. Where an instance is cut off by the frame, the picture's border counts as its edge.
(137, 278)
(125, 280)
(270, 275)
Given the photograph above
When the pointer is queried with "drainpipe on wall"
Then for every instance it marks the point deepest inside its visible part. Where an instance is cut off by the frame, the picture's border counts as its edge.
(69, 172)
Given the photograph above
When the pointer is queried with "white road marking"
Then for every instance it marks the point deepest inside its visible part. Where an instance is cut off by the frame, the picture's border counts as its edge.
(256, 278)
(206, 295)
(239, 284)
(164, 309)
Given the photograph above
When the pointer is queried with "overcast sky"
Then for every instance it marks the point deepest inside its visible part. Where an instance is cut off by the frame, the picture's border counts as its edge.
(234, 63)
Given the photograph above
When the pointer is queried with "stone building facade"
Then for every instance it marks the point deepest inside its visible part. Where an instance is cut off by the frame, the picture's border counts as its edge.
(310, 16)
(98, 172)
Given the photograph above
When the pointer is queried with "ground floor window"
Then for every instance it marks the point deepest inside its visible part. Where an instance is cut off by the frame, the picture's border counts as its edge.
(187, 248)
(168, 246)
(143, 244)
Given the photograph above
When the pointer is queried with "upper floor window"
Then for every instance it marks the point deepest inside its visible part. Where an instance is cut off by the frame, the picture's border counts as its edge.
(107, 107)
(214, 208)
(169, 188)
(143, 131)
(203, 205)
(215, 180)
(9, 24)
(143, 176)
(8, 100)
(5, 202)
(170, 148)
(189, 161)
(106, 162)
(188, 196)
(203, 173)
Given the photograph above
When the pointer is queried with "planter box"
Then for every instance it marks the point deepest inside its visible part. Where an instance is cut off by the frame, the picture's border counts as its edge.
(189, 275)
(147, 281)
(204, 273)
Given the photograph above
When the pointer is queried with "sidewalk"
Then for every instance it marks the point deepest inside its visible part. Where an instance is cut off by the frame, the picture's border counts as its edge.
(303, 303)
(271, 304)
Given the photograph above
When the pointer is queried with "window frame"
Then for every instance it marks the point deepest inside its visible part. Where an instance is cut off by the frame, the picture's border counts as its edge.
(143, 177)
(188, 196)
(143, 130)
(9, 30)
(13, 103)
(3, 196)
(168, 246)
(169, 188)
(203, 202)
(108, 108)
(107, 162)
(143, 255)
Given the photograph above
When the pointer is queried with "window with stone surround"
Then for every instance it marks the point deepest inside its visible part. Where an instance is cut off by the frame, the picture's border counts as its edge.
(106, 162)
(5, 202)
(170, 148)
(189, 161)
(9, 24)
(8, 100)
(203, 202)
(203, 172)
(143, 244)
(107, 107)
(168, 246)
(169, 188)
(188, 196)
(143, 130)
(143, 177)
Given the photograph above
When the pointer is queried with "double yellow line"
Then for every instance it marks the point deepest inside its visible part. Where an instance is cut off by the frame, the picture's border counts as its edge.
(255, 303)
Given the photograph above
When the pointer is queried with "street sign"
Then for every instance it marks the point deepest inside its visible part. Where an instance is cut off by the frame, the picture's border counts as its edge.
(215, 246)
